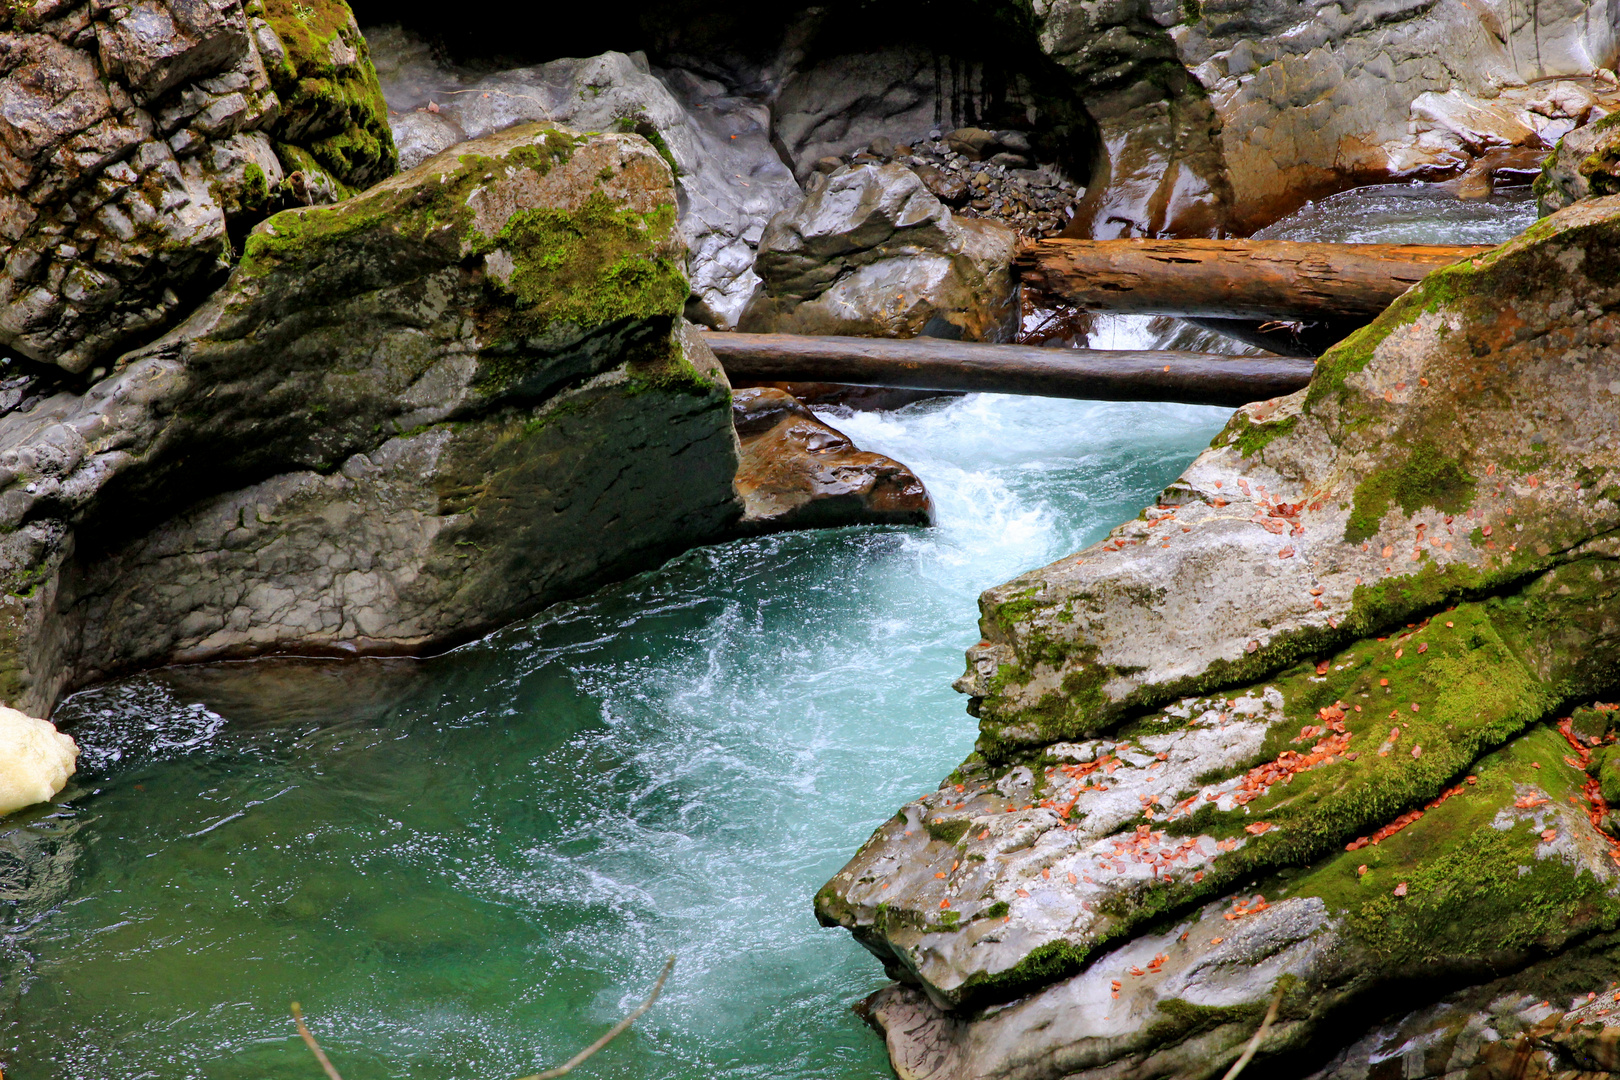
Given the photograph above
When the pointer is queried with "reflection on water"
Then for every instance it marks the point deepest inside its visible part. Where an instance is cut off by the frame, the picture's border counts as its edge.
(469, 867)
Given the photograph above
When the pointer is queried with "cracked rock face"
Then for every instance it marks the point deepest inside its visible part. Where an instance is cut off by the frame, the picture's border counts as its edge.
(387, 432)
(135, 136)
(1305, 707)
(870, 251)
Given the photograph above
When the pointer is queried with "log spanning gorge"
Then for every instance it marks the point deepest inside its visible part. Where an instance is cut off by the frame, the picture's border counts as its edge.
(495, 520)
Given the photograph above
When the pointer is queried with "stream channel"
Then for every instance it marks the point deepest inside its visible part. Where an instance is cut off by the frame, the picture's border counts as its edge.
(471, 866)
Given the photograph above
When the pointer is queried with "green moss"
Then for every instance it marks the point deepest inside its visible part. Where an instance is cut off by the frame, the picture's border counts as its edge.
(634, 126)
(1473, 890)
(592, 265)
(1250, 437)
(335, 114)
(1427, 477)
(950, 830)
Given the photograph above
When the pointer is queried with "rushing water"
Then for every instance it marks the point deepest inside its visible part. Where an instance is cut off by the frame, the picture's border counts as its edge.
(469, 867)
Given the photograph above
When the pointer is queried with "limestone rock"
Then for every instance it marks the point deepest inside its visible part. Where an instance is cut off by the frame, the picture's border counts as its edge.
(873, 252)
(137, 135)
(1299, 709)
(385, 433)
(1586, 163)
(797, 472)
(35, 760)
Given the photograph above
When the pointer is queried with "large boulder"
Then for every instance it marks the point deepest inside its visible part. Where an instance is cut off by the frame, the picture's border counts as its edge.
(871, 251)
(729, 175)
(1284, 733)
(404, 419)
(36, 760)
(138, 139)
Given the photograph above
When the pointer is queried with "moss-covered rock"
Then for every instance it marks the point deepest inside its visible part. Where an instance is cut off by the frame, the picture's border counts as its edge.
(1585, 164)
(333, 117)
(1318, 670)
(406, 417)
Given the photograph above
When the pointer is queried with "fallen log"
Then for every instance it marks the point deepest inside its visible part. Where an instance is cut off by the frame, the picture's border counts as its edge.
(935, 364)
(1231, 279)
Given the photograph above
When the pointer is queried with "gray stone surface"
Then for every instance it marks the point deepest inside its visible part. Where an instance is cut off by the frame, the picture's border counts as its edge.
(1316, 97)
(871, 251)
(369, 440)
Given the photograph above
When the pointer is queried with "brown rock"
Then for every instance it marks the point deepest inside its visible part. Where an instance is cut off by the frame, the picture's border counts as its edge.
(975, 144)
(798, 473)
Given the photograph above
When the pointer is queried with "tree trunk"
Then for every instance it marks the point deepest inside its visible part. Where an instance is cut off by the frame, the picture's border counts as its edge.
(1231, 279)
(935, 364)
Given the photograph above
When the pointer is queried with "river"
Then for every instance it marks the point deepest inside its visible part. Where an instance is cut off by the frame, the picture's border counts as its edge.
(471, 866)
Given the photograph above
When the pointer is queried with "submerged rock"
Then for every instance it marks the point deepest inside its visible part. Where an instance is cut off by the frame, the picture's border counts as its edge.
(800, 473)
(871, 251)
(404, 419)
(1285, 731)
(36, 760)
(139, 137)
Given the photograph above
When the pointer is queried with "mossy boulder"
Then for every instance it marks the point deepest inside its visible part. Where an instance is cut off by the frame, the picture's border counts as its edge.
(333, 116)
(405, 418)
(1325, 668)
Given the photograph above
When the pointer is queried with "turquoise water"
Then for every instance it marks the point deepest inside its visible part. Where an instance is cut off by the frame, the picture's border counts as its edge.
(470, 867)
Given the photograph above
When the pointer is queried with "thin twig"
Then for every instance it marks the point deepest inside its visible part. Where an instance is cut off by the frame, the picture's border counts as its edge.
(614, 1032)
(1259, 1037)
(314, 1047)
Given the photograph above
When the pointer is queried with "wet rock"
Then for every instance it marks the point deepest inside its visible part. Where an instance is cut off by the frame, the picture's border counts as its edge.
(1586, 163)
(36, 760)
(873, 252)
(799, 473)
(1293, 728)
(838, 105)
(948, 187)
(1555, 1019)
(385, 433)
(139, 136)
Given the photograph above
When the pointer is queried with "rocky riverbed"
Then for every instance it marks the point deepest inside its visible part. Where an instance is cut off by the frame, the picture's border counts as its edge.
(331, 342)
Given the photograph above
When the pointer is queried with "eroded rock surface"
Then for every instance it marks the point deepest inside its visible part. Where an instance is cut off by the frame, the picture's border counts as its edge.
(871, 251)
(138, 138)
(1586, 164)
(405, 418)
(798, 472)
(1291, 729)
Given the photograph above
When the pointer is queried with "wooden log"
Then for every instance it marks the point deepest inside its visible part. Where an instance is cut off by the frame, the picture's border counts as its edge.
(1231, 279)
(935, 364)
